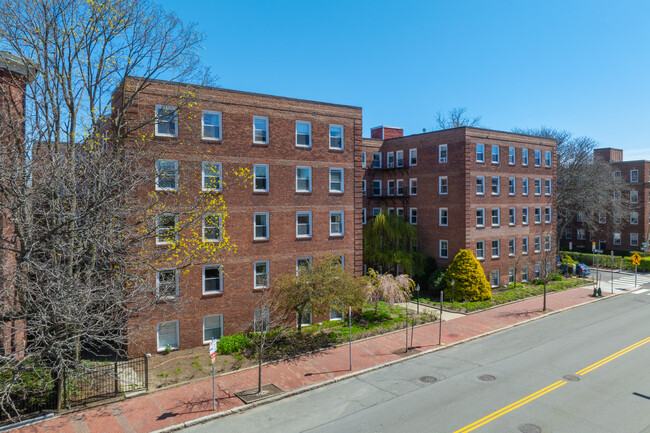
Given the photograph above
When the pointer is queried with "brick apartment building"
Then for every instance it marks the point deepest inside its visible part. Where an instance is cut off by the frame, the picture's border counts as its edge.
(635, 227)
(468, 188)
(304, 201)
(14, 76)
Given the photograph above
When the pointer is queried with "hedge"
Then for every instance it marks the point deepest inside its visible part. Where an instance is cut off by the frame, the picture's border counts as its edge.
(606, 261)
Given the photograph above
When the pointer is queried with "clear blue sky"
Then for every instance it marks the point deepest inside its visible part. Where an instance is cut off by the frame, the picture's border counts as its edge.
(577, 65)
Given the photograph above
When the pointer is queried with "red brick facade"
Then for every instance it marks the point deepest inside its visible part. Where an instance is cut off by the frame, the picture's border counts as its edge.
(444, 172)
(236, 148)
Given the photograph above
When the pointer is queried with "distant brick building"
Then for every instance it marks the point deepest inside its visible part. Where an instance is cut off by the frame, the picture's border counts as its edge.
(636, 226)
(304, 201)
(469, 188)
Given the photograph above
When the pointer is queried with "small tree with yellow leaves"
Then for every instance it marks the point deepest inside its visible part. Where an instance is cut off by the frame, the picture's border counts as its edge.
(470, 283)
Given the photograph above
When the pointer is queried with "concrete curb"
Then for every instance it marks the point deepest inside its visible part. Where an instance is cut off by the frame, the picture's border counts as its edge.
(308, 388)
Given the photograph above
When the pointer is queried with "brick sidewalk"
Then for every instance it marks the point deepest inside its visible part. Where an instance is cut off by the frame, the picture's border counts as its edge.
(172, 406)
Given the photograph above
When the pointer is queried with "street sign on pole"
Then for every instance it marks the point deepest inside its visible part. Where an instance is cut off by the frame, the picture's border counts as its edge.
(213, 358)
(611, 275)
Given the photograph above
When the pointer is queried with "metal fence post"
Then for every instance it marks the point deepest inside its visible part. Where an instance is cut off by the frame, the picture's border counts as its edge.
(146, 372)
(117, 382)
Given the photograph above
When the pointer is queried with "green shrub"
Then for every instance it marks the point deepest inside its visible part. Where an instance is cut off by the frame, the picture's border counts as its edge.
(555, 277)
(233, 343)
(436, 281)
(469, 278)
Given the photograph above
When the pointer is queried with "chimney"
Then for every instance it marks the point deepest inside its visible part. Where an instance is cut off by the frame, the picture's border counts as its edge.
(386, 132)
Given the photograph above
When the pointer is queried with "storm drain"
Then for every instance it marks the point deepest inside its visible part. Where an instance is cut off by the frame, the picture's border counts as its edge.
(428, 379)
(487, 378)
(529, 428)
(571, 378)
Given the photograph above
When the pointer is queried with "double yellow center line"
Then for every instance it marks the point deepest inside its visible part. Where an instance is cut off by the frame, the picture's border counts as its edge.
(552, 387)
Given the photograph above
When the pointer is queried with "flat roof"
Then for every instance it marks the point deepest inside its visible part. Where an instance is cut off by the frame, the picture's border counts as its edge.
(472, 128)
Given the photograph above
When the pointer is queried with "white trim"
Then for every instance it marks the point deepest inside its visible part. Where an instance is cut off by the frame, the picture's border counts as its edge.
(175, 228)
(303, 213)
(158, 118)
(176, 175)
(440, 216)
(267, 225)
(342, 214)
(268, 274)
(342, 137)
(440, 249)
(310, 178)
(342, 171)
(178, 338)
(303, 122)
(440, 178)
(203, 137)
(308, 259)
(414, 182)
(220, 327)
(176, 282)
(220, 227)
(266, 119)
(220, 290)
(266, 166)
(442, 160)
(219, 176)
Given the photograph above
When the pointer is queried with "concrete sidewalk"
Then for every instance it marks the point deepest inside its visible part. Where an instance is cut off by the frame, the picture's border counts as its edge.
(169, 407)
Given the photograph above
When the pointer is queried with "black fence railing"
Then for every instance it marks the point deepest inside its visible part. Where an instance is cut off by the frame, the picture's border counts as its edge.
(27, 407)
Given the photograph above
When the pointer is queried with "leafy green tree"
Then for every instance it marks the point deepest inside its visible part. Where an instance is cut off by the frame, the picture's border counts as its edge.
(389, 241)
(470, 283)
(389, 288)
(318, 288)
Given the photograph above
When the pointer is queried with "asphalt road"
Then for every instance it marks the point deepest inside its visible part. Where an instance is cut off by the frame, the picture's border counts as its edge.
(605, 341)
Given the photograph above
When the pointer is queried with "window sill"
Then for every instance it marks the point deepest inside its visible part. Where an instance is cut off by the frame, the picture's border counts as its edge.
(340, 236)
(211, 294)
(259, 289)
(303, 238)
(336, 150)
(166, 189)
(211, 140)
(336, 192)
(260, 192)
(260, 144)
(303, 192)
(260, 240)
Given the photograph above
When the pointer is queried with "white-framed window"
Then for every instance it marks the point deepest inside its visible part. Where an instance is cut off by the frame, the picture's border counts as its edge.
(442, 153)
(212, 227)
(413, 157)
(602, 218)
(511, 156)
(496, 216)
(212, 279)
(496, 185)
(580, 234)
(390, 187)
(634, 176)
(376, 159)
(364, 161)
(413, 212)
(480, 152)
(399, 157)
(511, 246)
(166, 121)
(524, 245)
(495, 248)
(480, 217)
(524, 186)
(303, 224)
(336, 180)
(303, 179)
(166, 229)
(376, 211)
(363, 187)
(568, 233)
(480, 185)
(212, 328)
(262, 319)
(211, 125)
(524, 215)
(306, 318)
(167, 283)
(634, 196)
(413, 187)
(337, 223)
(480, 249)
(443, 186)
(443, 216)
(538, 158)
(547, 242)
(336, 314)
(547, 158)
(634, 239)
(400, 187)
(495, 154)
(617, 176)
(512, 216)
(336, 137)
(390, 210)
(399, 211)
(547, 186)
(260, 130)
(538, 215)
(524, 157)
(261, 225)
(167, 335)
(634, 218)
(547, 214)
(260, 178)
(511, 275)
(166, 175)
(444, 249)
(303, 263)
(494, 280)
(390, 160)
(538, 271)
(538, 186)
(376, 188)
(538, 244)
(261, 274)
(303, 134)
(363, 216)
(512, 185)
(211, 179)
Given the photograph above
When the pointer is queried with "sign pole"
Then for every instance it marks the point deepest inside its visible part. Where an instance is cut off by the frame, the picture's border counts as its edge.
(635, 269)
(612, 273)
(213, 358)
(442, 297)
(350, 333)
